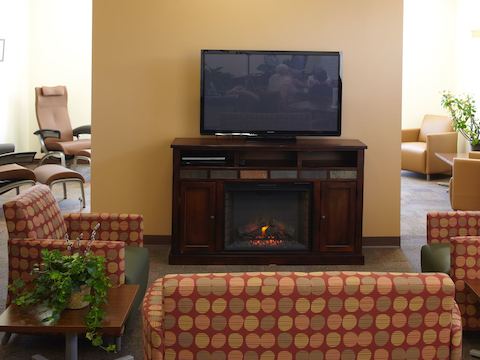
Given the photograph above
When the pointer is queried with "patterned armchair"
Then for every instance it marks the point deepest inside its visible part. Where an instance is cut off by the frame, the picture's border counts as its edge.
(453, 244)
(34, 222)
(292, 315)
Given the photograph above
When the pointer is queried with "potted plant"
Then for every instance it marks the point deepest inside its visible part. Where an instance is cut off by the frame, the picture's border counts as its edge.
(72, 280)
(462, 111)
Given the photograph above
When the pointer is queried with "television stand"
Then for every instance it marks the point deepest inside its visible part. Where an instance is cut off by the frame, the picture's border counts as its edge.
(237, 201)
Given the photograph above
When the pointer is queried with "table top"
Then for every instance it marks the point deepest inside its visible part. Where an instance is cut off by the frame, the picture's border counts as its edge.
(120, 300)
(448, 157)
(474, 285)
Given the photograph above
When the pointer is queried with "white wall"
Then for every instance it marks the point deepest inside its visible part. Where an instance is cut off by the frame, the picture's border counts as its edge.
(429, 28)
(14, 114)
(439, 53)
(48, 43)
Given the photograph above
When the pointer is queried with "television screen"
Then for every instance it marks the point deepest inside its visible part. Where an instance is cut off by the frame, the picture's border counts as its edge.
(271, 92)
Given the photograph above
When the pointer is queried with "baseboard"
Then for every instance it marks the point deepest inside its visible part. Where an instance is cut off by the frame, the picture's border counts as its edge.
(156, 239)
(381, 241)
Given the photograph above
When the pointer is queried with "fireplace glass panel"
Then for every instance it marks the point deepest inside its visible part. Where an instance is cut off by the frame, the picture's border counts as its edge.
(265, 216)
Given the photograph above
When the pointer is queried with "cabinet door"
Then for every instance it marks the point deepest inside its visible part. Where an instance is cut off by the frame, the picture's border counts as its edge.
(337, 216)
(197, 216)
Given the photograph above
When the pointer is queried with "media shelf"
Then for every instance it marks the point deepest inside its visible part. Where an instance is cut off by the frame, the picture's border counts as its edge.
(322, 203)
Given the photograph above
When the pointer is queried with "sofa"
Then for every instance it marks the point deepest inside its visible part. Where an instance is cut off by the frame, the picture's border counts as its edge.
(293, 315)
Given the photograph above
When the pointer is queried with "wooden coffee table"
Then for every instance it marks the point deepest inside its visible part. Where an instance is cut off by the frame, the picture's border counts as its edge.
(71, 323)
(448, 157)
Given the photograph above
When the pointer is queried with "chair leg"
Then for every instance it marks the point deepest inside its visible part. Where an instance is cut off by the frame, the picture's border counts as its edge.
(428, 177)
(17, 189)
(64, 190)
(83, 193)
(63, 162)
(6, 338)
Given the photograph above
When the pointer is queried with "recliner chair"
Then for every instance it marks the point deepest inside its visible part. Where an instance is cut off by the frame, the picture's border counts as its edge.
(419, 146)
(56, 134)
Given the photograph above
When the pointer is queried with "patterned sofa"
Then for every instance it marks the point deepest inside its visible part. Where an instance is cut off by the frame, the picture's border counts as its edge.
(290, 316)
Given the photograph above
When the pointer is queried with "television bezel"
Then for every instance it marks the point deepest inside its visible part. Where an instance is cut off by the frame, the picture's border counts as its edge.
(271, 133)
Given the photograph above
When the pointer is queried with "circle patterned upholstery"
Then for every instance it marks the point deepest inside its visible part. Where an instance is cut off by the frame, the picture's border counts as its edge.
(295, 316)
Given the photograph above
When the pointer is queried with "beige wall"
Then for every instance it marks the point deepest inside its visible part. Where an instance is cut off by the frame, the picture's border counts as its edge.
(146, 67)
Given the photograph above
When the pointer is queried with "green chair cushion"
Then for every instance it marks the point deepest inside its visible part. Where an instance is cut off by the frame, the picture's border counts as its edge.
(436, 258)
(136, 270)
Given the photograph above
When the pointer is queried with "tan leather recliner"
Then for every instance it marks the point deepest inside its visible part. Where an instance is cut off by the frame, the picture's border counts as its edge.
(56, 134)
(419, 146)
(465, 183)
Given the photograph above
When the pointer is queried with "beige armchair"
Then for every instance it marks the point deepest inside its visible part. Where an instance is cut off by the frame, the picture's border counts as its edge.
(419, 146)
(465, 183)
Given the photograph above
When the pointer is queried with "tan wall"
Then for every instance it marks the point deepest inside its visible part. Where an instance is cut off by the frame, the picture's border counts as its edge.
(146, 75)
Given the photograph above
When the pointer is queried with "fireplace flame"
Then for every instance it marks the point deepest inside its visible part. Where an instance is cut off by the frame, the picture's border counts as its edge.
(264, 230)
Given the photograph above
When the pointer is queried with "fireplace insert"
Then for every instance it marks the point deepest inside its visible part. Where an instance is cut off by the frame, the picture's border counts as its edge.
(267, 216)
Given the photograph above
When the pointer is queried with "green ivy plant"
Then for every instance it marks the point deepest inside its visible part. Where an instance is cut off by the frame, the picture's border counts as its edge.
(57, 277)
(462, 111)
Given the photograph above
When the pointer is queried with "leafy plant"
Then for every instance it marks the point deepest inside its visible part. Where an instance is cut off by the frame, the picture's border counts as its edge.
(463, 110)
(57, 277)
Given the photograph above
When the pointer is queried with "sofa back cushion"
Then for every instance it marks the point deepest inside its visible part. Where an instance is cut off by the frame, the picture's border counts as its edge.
(34, 214)
(289, 315)
(434, 124)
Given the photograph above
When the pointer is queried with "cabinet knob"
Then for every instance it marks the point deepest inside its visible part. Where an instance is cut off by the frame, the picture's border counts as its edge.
(212, 217)
(323, 217)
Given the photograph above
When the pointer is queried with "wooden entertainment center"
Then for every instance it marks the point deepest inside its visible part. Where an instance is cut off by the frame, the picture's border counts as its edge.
(222, 188)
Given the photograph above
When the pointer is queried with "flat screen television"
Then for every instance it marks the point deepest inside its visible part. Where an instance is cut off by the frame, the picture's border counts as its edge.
(271, 93)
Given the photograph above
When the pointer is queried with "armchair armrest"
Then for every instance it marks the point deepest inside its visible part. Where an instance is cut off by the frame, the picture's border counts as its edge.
(152, 314)
(410, 135)
(23, 254)
(48, 133)
(85, 129)
(113, 227)
(456, 334)
(442, 142)
(442, 225)
(17, 158)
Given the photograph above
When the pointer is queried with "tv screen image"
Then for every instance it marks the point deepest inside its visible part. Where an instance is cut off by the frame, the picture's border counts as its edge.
(271, 92)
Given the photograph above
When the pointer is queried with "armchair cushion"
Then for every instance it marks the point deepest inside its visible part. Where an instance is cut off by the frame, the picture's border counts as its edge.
(414, 156)
(113, 227)
(15, 172)
(435, 258)
(434, 124)
(53, 90)
(410, 135)
(73, 147)
(34, 214)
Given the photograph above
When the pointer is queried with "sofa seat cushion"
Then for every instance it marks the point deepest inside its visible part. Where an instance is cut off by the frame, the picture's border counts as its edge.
(136, 270)
(414, 155)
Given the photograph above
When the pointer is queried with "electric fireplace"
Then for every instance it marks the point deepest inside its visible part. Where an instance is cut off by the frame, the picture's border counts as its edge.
(267, 216)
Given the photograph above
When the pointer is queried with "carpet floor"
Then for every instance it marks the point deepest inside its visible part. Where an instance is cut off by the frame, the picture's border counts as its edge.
(418, 197)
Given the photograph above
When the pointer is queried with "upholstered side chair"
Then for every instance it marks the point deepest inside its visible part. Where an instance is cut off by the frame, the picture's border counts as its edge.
(34, 222)
(453, 247)
(465, 183)
(419, 146)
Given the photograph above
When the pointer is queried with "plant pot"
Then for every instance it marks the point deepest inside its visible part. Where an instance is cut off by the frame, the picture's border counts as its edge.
(475, 147)
(77, 298)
